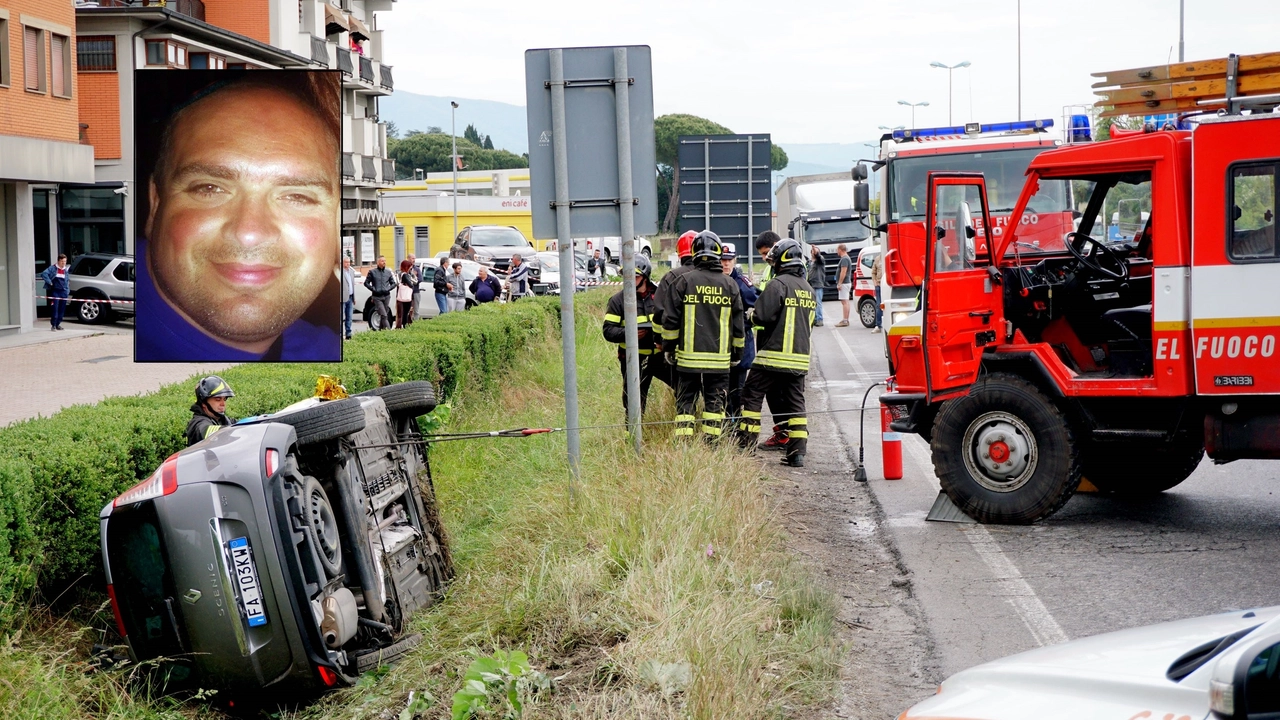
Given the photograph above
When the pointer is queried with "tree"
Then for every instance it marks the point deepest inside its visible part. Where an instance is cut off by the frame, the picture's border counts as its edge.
(666, 135)
(472, 134)
(777, 158)
(1128, 122)
(431, 151)
(488, 143)
(393, 132)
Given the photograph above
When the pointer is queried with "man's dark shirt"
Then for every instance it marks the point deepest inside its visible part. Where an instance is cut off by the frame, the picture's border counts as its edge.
(162, 335)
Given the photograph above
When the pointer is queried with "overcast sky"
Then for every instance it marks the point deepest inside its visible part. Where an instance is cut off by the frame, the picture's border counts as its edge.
(824, 70)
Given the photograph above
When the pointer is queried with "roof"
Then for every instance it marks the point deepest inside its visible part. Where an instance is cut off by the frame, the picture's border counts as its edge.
(200, 30)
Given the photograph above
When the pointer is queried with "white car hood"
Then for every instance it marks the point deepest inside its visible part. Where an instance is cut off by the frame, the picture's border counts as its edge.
(1119, 675)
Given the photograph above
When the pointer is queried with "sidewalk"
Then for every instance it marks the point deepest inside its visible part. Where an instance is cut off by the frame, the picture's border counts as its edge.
(40, 375)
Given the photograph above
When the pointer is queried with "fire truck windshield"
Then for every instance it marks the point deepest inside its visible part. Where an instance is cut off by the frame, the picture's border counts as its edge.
(1004, 170)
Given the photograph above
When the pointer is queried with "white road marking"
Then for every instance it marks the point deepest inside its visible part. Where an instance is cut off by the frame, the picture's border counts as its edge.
(1015, 588)
(1032, 611)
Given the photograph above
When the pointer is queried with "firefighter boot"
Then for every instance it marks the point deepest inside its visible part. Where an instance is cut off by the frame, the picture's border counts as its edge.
(796, 460)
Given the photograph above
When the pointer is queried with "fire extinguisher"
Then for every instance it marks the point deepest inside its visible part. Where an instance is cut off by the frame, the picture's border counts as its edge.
(890, 445)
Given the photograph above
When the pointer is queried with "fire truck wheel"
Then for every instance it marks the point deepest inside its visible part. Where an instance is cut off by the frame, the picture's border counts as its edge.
(1133, 470)
(1004, 453)
(867, 312)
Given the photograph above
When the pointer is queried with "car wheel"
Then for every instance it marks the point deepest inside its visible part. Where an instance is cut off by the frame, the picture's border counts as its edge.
(326, 421)
(1128, 469)
(867, 312)
(92, 311)
(471, 303)
(1004, 453)
(322, 526)
(645, 251)
(367, 312)
(608, 256)
(407, 398)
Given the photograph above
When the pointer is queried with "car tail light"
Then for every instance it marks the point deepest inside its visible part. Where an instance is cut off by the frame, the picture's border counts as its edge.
(329, 677)
(115, 610)
(163, 482)
(273, 461)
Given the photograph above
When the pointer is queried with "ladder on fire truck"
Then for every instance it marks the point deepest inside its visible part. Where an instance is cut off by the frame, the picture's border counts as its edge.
(1233, 83)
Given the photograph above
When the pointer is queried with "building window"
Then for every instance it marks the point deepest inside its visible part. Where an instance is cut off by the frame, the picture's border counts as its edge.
(33, 59)
(206, 61)
(167, 53)
(1252, 218)
(60, 64)
(155, 52)
(421, 241)
(90, 219)
(96, 53)
(237, 66)
(4, 52)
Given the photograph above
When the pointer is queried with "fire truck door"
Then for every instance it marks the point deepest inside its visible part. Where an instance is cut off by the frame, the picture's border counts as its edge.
(964, 303)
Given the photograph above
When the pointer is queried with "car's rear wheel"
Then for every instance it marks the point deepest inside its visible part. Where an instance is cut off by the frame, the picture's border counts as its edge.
(608, 256)
(92, 311)
(407, 398)
(645, 251)
(322, 526)
(867, 312)
(326, 421)
(1136, 470)
(1004, 453)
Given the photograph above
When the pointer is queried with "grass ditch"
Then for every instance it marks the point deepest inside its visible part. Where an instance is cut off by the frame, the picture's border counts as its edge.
(662, 588)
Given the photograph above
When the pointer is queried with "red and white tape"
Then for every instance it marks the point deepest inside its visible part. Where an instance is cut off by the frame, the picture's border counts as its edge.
(97, 300)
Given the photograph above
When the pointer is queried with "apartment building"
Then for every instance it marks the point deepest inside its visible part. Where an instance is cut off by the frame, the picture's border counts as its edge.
(117, 37)
(41, 145)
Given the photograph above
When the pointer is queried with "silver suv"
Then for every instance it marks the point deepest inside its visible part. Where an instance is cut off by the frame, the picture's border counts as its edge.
(97, 278)
(283, 554)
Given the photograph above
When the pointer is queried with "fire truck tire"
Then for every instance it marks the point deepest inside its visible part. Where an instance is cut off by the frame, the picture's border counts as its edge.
(1005, 453)
(867, 312)
(1127, 470)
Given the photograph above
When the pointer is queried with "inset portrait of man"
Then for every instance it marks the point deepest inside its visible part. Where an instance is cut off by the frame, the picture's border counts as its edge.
(241, 219)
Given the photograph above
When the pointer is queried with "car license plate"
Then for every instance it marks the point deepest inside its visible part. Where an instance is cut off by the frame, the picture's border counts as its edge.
(246, 578)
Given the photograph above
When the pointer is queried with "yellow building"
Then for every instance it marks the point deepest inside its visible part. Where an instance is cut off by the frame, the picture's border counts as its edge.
(424, 216)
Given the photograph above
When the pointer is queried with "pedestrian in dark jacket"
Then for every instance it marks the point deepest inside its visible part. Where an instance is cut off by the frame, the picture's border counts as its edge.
(57, 287)
(209, 413)
(817, 280)
(738, 373)
(381, 283)
(648, 342)
(486, 288)
(440, 283)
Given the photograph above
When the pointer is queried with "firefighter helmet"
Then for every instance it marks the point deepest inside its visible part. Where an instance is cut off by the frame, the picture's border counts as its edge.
(213, 387)
(643, 267)
(787, 254)
(707, 246)
(684, 246)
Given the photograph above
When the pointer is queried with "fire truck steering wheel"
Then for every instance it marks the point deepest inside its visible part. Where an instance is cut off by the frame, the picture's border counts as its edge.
(1076, 243)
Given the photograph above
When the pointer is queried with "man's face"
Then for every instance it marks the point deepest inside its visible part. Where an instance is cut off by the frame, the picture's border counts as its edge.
(243, 229)
(62, 262)
(382, 263)
(515, 260)
(457, 269)
(346, 263)
(483, 274)
(217, 404)
(727, 264)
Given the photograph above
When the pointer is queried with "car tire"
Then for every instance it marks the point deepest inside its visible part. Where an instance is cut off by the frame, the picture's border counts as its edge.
(321, 526)
(91, 311)
(407, 398)
(1132, 470)
(608, 256)
(867, 312)
(645, 251)
(326, 421)
(367, 312)
(1004, 416)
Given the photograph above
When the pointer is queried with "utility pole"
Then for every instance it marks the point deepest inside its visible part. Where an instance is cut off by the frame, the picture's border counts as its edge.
(453, 160)
(1019, 59)
(949, 69)
(1182, 24)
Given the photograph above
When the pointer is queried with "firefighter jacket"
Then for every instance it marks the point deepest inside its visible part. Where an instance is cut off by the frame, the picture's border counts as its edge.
(663, 293)
(615, 330)
(783, 321)
(704, 321)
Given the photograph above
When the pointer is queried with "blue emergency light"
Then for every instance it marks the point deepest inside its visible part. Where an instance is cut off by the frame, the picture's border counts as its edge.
(973, 129)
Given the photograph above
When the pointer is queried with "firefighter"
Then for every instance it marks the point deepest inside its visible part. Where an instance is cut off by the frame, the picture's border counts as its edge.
(647, 339)
(684, 250)
(209, 413)
(783, 317)
(738, 373)
(703, 336)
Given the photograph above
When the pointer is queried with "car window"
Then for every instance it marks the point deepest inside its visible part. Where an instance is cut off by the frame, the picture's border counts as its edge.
(124, 272)
(142, 580)
(87, 266)
(497, 237)
(428, 272)
(868, 261)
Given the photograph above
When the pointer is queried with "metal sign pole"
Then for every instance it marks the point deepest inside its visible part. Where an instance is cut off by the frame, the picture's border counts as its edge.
(568, 337)
(706, 183)
(751, 235)
(626, 217)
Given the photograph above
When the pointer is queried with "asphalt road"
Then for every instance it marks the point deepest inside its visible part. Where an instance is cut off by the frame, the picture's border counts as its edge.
(1097, 565)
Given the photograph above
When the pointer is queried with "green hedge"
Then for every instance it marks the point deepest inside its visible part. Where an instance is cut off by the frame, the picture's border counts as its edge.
(57, 473)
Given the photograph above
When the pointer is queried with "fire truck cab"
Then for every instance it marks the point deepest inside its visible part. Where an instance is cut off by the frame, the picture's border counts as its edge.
(1033, 363)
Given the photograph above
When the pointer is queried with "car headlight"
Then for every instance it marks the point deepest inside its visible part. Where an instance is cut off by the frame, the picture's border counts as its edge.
(1222, 698)
(898, 317)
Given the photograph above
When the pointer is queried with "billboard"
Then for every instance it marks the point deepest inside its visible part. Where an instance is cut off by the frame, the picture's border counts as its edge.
(725, 186)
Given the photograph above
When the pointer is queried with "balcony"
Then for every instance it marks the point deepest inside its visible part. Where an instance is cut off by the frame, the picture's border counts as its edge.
(348, 167)
(190, 8)
(366, 69)
(320, 51)
(344, 63)
(368, 169)
(386, 80)
(388, 172)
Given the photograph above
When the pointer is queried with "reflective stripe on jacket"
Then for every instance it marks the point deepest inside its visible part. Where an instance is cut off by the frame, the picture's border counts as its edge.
(615, 330)
(783, 321)
(705, 320)
(662, 295)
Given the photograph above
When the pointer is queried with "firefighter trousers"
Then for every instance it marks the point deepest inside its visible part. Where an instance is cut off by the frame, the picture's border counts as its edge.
(714, 389)
(785, 393)
(651, 366)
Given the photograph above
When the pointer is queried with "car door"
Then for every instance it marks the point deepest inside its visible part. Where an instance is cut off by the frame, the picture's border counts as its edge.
(964, 310)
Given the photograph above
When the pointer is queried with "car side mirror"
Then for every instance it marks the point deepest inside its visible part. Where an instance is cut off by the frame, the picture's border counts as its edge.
(862, 198)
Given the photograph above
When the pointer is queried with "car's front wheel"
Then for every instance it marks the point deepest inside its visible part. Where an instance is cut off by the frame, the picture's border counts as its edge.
(645, 251)
(867, 312)
(92, 311)
(1004, 453)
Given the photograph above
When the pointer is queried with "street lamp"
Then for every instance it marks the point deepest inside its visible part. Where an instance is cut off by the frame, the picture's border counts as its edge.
(891, 129)
(949, 68)
(913, 107)
(453, 160)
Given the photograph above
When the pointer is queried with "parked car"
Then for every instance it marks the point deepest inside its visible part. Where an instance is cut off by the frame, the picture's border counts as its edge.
(285, 553)
(863, 290)
(96, 278)
(494, 245)
(1223, 667)
(611, 247)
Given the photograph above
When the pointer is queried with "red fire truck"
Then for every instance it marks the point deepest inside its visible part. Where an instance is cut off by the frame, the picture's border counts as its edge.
(1033, 364)
(1000, 151)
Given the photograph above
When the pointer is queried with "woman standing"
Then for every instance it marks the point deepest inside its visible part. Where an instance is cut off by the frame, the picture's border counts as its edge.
(404, 295)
